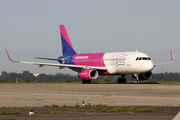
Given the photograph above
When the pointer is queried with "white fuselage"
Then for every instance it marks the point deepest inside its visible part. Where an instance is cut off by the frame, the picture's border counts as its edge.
(127, 62)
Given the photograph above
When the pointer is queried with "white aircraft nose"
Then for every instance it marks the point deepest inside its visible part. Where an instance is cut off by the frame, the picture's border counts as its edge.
(149, 66)
(145, 66)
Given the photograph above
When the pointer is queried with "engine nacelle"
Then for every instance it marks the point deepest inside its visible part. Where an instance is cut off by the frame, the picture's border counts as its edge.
(144, 76)
(88, 74)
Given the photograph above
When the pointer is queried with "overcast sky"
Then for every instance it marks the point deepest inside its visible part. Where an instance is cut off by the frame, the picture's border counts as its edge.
(30, 28)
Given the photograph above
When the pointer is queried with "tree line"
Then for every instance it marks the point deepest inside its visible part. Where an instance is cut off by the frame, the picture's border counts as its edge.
(26, 76)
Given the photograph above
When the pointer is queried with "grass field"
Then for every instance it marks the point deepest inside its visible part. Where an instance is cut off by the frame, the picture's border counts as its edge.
(88, 108)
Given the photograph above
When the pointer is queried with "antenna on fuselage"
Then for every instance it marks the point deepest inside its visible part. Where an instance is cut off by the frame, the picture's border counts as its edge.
(136, 50)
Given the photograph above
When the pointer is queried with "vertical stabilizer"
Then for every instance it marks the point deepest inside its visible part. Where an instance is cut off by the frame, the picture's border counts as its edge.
(66, 43)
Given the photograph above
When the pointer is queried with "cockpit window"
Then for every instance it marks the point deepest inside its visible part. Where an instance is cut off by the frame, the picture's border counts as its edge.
(143, 58)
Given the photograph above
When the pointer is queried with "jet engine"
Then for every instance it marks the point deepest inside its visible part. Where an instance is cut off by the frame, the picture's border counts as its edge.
(144, 76)
(88, 74)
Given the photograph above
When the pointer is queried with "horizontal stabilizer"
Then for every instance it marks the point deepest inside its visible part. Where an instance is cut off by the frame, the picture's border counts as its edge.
(49, 59)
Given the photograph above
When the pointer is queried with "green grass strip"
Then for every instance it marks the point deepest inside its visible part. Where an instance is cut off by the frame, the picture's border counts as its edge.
(125, 109)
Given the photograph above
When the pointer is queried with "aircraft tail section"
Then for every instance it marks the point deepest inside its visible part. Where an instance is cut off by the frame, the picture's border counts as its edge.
(66, 43)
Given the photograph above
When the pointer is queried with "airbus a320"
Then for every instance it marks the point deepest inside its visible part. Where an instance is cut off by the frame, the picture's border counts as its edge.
(90, 65)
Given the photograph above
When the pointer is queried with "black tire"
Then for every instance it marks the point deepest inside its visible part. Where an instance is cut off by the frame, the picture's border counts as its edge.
(119, 80)
(124, 80)
(84, 81)
(88, 81)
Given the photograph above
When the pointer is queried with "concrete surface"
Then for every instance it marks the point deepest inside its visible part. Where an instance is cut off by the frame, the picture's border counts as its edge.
(20, 95)
(163, 99)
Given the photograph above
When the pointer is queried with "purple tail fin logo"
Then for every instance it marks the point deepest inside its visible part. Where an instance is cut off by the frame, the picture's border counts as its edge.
(66, 43)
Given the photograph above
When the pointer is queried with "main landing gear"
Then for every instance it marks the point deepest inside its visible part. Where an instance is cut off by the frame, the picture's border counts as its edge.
(137, 81)
(86, 81)
(122, 79)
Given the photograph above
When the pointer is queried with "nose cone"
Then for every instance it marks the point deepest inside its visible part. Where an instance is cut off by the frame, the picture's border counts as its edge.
(149, 66)
(145, 66)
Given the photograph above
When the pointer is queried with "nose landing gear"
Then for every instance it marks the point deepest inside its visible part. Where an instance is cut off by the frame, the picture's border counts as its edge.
(137, 81)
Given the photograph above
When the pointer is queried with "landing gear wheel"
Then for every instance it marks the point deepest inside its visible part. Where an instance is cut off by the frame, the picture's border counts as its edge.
(137, 82)
(88, 81)
(84, 81)
(124, 80)
(119, 80)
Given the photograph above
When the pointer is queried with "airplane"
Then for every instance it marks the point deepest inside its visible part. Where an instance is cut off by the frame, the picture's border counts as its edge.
(90, 65)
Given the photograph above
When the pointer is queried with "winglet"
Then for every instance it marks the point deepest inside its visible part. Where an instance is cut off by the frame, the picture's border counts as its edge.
(172, 58)
(8, 55)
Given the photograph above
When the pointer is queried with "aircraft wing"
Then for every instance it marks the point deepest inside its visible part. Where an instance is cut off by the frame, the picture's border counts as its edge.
(57, 65)
(172, 60)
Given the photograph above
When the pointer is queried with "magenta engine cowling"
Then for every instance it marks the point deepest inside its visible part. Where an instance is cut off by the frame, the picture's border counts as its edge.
(88, 74)
(144, 76)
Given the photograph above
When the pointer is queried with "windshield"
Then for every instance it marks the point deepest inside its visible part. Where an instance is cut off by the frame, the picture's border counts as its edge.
(143, 58)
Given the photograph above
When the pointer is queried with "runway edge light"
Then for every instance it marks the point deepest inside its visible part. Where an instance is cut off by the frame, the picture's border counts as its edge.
(31, 113)
(82, 104)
